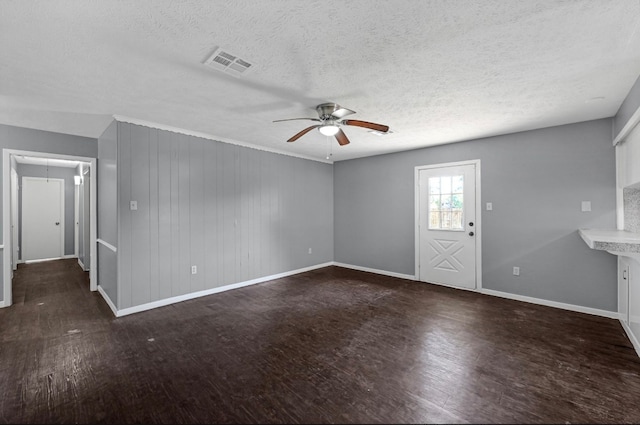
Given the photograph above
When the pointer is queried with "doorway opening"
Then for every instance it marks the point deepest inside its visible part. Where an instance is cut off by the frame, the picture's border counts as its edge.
(49, 206)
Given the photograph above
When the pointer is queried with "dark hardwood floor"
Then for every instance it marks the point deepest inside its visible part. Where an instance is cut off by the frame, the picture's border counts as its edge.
(327, 346)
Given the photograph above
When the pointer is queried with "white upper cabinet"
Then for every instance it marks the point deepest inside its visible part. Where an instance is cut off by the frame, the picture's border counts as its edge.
(628, 154)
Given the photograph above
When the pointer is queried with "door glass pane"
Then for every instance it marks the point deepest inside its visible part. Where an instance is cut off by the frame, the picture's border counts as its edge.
(457, 185)
(445, 184)
(434, 185)
(446, 203)
(434, 219)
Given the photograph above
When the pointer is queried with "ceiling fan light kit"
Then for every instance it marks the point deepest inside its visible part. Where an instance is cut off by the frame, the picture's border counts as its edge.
(330, 117)
(329, 129)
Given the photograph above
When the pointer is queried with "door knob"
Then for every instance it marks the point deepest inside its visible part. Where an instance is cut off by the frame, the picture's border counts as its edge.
(57, 223)
(470, 233)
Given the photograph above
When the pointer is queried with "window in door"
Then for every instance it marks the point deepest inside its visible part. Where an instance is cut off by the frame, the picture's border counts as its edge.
(446, 197)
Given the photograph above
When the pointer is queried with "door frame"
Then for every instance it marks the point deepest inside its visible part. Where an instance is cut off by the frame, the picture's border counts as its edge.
(478, 222)
(6, 218)
(15, 187)
(62, 211)
(76, 217)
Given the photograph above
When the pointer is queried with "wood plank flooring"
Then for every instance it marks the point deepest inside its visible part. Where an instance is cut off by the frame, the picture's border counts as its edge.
(328, 346)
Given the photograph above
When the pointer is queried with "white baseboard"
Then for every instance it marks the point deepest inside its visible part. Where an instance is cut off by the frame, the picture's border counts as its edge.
(631, 336)
(376, 271)
(192, 295)
(108, 300)
(81, 264)
(548, 303)
(2, 304)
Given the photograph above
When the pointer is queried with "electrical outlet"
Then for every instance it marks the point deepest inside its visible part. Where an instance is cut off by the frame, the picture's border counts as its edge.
(489, 206)
(516, 271)
(310, 251)
(586, 206)
(194, 269)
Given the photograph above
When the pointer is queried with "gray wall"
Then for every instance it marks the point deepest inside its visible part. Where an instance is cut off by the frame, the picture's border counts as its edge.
(234, 212)
(536, 181)
(627, 109)
(26, 170)
(107, 229)
(19, 138)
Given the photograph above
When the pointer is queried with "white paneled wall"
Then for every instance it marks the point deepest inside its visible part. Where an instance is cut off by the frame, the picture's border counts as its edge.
(235, 213)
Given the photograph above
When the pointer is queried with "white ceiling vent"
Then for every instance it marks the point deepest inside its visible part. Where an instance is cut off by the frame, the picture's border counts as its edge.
(228, 62)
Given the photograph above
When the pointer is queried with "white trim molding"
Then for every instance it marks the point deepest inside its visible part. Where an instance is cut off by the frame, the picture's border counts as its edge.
(108, 301)
(376, 271)
(631, 336)
(107, 244)
(192, 295)
(548, 303)
(150, 124)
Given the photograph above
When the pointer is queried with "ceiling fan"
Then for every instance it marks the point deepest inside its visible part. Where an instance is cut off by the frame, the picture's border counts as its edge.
(330, 117)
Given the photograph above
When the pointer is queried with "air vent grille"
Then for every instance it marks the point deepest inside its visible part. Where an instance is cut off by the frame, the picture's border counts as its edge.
(228, 62)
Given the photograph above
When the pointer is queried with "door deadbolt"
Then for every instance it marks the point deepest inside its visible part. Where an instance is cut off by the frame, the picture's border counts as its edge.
(471, 223)
(57, 223)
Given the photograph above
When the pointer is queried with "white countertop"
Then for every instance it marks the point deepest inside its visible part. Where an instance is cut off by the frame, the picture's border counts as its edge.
(613, 241)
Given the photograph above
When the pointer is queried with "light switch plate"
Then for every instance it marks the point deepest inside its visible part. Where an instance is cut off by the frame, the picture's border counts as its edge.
(489, 206)
(133, 205)
(586, 206)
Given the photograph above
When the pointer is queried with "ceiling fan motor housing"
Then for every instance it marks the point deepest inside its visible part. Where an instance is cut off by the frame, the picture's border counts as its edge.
(332, 111)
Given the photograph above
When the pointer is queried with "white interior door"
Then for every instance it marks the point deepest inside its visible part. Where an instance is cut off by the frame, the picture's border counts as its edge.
(447, 225)
(42, 218)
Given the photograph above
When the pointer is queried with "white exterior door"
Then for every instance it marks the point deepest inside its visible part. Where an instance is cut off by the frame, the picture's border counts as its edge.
(42, 218)
(447, 225)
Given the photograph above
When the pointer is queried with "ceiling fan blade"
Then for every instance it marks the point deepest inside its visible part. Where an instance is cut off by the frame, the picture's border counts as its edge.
(342, 112)
(342, 138)
(302, 133)
(371, 125)
(293, 119)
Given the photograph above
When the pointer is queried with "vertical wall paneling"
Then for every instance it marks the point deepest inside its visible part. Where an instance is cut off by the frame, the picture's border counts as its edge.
(184, 223)
(274, 198)
(220, 193)
(255, 179)
(154, 216)
(124, 215)
(108, 210)
(140, 232)
(229, 237)
(245, 196)
(196, 207)
(164, 215)
(175, 215)
(235, 213)
(210, 222)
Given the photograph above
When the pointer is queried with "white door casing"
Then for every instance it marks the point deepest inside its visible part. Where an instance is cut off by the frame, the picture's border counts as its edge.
(447, 224)
(42, 218)
(15, 254)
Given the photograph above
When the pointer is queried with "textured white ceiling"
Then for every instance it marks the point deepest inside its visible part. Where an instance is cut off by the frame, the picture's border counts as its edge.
(434, 71)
